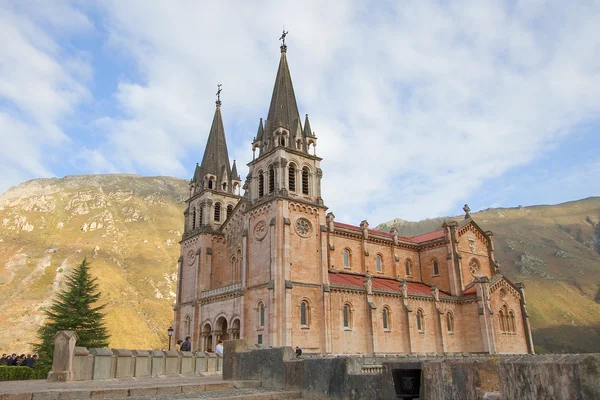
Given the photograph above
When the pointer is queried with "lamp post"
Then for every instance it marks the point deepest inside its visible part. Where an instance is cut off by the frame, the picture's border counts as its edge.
(170, 333)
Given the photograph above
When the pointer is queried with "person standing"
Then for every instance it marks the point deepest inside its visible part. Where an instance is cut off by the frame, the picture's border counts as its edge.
(178, 345)
(219, 349)
(187, 345)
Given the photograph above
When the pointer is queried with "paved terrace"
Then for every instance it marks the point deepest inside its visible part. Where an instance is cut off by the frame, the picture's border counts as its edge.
(183, 387)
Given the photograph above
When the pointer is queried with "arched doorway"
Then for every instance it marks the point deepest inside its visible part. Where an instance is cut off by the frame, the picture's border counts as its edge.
(221, 328)
(235, 329)
(207, 341)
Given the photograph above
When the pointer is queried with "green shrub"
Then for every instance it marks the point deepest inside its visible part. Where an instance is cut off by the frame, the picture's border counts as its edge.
(22, 373)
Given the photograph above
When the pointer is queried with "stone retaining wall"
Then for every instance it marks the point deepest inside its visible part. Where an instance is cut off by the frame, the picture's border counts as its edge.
(449, 377)
(97, 364)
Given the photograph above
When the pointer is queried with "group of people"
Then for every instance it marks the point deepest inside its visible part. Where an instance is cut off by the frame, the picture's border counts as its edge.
(187, 345)
(18, 361)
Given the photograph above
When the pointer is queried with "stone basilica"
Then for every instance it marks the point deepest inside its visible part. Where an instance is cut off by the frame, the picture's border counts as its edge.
(273, 267)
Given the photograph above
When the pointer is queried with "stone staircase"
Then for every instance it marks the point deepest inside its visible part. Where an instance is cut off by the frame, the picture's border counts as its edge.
(152, 390)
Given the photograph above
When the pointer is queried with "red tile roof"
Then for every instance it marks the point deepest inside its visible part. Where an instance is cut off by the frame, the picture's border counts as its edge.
(471, 290)
(356, 280)
(415, 239)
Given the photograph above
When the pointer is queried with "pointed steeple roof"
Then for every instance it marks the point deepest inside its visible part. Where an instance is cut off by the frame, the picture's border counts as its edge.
(259, 133)
(234, 173)
(216, 158)
(283, 110)
(307, 130)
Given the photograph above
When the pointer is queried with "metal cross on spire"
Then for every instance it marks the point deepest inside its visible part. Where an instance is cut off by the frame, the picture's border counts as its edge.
(283, 35)
(219, 93)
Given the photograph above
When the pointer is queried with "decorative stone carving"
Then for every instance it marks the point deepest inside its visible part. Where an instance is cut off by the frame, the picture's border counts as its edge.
(474, 267)
(260, 230)
(303, 227)
(369, 284)
(404, 288)
(435, 292)
(330, 218)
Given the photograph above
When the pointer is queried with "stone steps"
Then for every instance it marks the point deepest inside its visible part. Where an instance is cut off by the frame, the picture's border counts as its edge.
(132, 390)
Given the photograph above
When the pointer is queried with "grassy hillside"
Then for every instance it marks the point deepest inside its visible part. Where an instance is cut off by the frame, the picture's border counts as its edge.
(555, 251)
(129, 228)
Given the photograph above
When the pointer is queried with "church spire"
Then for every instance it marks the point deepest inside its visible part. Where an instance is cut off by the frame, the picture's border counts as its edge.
(216, 158)
(283, 111)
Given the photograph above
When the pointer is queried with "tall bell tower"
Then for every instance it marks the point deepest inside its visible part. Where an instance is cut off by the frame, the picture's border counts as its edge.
(286, 217)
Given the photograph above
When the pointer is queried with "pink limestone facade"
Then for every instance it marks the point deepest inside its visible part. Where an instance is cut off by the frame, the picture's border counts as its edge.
(273, 266)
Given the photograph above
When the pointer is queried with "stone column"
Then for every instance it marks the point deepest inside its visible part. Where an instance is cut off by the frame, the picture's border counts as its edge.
(62, 361)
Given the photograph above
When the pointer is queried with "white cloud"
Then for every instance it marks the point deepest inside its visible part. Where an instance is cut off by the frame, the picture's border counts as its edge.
(39, 86)
(416, 104)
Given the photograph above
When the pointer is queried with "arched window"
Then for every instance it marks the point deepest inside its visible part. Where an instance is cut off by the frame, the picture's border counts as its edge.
(304, 313)
(292, 178)
(305, 180)
(238, 267)
(224, 186)
(271, 179)
(501, 321)
(299, 144)
(379, 263)
(210, 183)
(407, 267)
(386, 318)
(217, 212)
(261, 184)
(194, 218)
(346, 258)
(188, 325)
(200, 219)
(436, 267)
(347, 316)
(229, 210)
(261, 314)
(511, 318)
(450, 322)
(420, 321)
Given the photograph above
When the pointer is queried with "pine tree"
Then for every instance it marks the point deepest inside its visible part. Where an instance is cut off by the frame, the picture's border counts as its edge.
(74, 309)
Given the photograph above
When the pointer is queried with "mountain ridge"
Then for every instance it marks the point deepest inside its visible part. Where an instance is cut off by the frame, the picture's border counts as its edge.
(129, 227)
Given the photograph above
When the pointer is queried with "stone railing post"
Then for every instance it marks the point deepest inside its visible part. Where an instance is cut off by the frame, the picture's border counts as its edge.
(102, 363)
(143, 363)
(62, 361)
(200, 363)
(158, 363)
(83, 363)
(187, 363)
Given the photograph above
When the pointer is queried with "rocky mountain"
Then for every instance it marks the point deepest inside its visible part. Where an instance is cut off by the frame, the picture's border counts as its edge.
(129, 227)
(555, 251)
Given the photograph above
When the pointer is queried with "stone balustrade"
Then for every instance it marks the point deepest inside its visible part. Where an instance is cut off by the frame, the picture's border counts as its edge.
(234, 287)
(98, 364)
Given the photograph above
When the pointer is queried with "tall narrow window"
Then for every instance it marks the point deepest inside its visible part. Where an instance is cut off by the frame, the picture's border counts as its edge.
(378, 263)
(305, 180)
(450, 322)
(304, 313)
(346, 316)
(501, 321)
(385, 318)
(210, 183)
(259, 340)
(229, 210)
(261, 311)
(200, 222)
(346, 259)
(436, 267)
(224, 186)
(271, 179)
(513, 327)
(292, 178)
(407, 267)
(194, 219)
(420, 322)
(217, 212)
(261, 184)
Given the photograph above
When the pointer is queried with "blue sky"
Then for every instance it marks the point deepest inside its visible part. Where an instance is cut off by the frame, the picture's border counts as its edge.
(419, 106)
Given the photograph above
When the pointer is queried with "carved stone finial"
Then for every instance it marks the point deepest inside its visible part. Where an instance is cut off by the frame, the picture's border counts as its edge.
(368, 284)
(467, 210)
(404, 288)
(435, 292)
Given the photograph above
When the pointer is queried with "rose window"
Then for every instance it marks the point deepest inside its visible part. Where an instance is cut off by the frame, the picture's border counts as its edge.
(303, 227)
